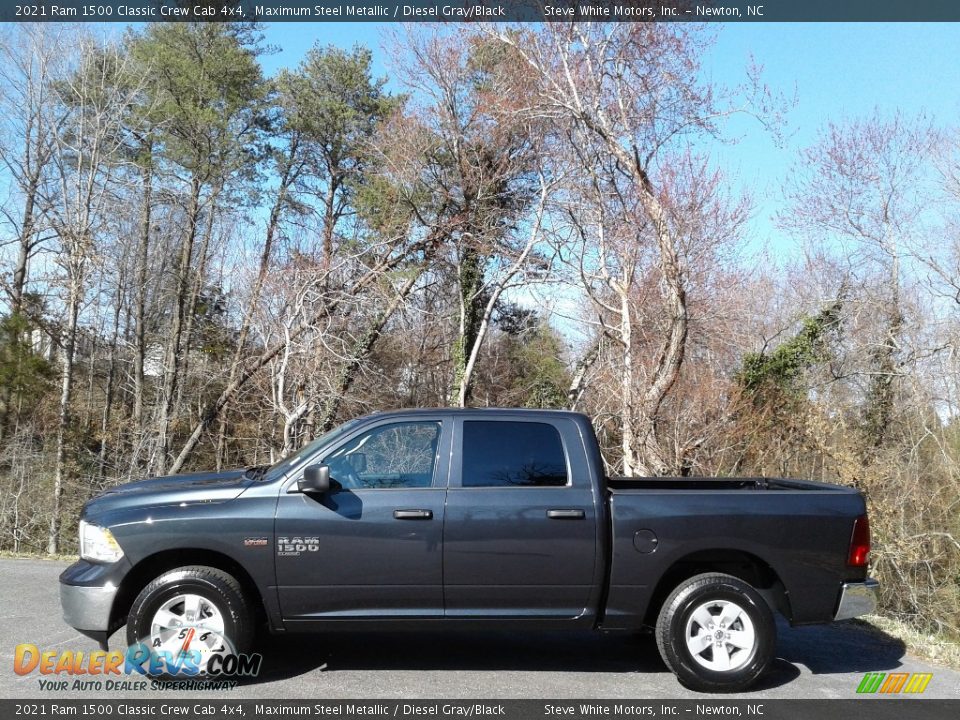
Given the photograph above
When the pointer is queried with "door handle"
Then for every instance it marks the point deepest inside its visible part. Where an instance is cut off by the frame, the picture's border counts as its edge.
(570, 514)
(413, 514)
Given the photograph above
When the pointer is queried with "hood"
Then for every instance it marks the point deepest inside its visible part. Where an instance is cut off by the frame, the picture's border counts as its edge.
(191, 488)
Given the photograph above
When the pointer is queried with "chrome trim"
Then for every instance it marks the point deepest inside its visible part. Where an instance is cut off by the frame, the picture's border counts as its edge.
(87, 608)
(857, 599)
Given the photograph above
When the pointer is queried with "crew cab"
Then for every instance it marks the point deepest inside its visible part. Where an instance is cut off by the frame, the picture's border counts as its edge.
(465, 518)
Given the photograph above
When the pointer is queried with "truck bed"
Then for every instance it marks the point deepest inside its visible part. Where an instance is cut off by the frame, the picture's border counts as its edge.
(798, 529)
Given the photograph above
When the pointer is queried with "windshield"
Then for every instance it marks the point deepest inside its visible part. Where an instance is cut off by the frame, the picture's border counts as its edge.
(292, 462)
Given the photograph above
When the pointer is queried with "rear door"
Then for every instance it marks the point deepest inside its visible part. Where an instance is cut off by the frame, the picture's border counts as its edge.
(370, 547)
(520, 532)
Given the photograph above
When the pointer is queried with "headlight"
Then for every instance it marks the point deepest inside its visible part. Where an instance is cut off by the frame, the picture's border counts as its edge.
(98, 544)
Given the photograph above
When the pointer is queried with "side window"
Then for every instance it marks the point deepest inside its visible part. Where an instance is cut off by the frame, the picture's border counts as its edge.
(401, 455)
(512, 454)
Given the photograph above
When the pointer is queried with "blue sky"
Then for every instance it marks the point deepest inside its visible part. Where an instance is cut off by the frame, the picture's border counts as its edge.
(836, 70)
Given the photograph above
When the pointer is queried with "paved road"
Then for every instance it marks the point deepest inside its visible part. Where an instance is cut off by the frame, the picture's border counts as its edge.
(819, 662)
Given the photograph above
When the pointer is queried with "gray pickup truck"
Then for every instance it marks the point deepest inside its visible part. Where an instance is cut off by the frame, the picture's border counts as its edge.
(466, 518)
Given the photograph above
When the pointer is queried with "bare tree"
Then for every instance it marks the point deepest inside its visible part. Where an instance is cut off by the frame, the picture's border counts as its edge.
(860, 188)
(30, 61)
(483, 161)
(296, 291)
(627, 98)
(86, 152)
(372, 266)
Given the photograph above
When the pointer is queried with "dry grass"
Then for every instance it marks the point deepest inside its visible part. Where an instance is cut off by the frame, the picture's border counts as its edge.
(924, 645)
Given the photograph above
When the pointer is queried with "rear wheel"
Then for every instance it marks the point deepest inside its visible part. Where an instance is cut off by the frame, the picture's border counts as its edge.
(191, 613)
(716, 633)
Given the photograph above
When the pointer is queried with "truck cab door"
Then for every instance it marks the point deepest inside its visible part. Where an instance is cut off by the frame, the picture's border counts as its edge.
(521, 531)
(370, 546)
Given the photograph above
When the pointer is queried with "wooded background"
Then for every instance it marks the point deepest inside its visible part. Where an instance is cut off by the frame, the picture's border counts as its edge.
(205, 267)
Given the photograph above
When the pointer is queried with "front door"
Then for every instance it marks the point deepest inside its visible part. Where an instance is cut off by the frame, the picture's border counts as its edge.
(372, 544)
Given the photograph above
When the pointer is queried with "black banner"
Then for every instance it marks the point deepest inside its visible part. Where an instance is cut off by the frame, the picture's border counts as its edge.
(220, 709)
(484, 10)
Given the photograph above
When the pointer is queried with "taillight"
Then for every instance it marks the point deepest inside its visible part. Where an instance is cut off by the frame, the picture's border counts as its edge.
(859, 543)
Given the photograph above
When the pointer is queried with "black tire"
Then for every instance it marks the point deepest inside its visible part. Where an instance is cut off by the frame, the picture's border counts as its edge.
(216, 586)
(676, 623)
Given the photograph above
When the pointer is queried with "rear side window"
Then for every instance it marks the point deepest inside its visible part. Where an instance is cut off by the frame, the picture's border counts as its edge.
(512, 454)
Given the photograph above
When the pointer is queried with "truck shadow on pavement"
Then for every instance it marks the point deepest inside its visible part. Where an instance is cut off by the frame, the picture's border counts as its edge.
(844, 647)
(840, 648)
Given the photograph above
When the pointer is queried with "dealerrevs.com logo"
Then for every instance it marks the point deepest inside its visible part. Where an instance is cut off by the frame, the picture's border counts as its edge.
(125, 670)
(894, 683)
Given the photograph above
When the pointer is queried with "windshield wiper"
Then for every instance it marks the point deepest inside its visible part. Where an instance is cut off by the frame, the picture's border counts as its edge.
(256, 472)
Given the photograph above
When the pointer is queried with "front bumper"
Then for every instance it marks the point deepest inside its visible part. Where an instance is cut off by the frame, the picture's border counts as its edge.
(87, 608)
(856, 599)
(87, 595)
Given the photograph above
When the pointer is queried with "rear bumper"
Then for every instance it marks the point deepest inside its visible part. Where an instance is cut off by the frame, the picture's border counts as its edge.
(857, 598)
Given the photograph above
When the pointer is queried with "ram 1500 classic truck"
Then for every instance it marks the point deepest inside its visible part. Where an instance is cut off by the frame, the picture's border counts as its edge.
(464, 518)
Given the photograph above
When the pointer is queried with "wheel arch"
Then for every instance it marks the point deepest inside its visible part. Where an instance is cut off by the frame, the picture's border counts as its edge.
(741, 564)
(153, 566)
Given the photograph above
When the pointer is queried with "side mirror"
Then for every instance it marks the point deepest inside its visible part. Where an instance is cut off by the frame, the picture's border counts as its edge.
(316, 479)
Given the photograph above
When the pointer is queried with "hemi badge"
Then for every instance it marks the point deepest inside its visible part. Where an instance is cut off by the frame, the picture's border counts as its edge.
(255, 542)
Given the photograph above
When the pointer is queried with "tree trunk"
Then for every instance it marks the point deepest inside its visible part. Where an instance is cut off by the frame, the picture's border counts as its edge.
(627, 410)
(290, 428)
(24, 247)
(63, 420)
(312, 424)
(140, 303)
(26, 241)
(881, 394)
(213, 410)
(196, 287)
(172, 355)
(576, 389)
(470, 282)
(111, 379)
(330, 219)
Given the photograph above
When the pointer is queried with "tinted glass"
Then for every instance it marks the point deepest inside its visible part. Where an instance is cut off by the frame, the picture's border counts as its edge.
(512, 454)
(402, 455)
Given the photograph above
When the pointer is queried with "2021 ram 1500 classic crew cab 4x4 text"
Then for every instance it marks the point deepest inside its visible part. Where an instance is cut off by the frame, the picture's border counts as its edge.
(466, 517)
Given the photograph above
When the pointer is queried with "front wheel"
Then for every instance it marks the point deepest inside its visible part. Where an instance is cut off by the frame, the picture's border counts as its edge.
(188, 615)
(716, 633)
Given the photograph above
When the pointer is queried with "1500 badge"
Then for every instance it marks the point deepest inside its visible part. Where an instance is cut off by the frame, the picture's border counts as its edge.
(297, 545)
